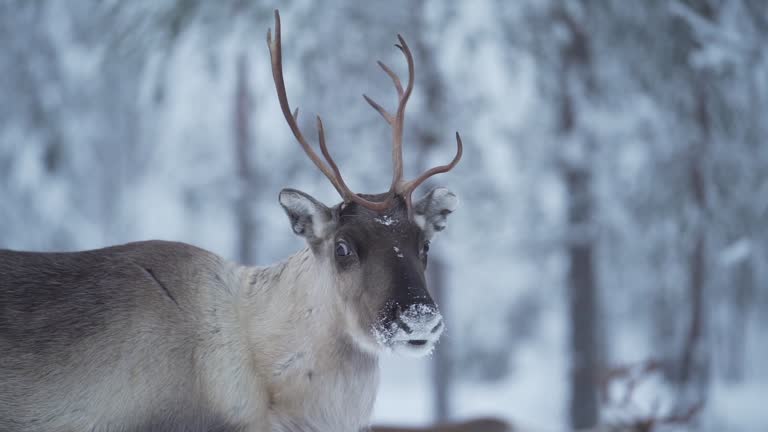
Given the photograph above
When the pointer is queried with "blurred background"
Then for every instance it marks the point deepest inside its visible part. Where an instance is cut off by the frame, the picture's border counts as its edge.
(608, 262)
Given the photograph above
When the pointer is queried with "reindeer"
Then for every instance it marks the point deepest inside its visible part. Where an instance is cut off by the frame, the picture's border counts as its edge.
(163, 336)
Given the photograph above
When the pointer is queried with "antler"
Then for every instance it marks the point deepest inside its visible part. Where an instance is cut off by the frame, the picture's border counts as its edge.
(397, 122)
(399, 186)
(333, 174)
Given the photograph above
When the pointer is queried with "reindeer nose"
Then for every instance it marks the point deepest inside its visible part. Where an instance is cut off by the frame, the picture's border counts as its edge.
(407, 329)
(437, 326)
(419, 321)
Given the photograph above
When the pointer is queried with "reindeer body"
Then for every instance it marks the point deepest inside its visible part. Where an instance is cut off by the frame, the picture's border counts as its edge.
(159, 336)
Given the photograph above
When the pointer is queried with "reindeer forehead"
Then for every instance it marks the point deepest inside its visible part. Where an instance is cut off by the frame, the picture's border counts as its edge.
(393, 223)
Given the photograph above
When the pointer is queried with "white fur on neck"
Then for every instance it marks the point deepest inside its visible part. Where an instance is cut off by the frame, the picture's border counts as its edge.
(296, 327)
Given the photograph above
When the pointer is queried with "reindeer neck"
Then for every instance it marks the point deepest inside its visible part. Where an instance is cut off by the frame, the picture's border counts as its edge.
(291, 305)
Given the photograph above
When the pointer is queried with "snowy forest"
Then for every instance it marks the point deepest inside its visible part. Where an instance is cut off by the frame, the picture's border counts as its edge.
(608, 264)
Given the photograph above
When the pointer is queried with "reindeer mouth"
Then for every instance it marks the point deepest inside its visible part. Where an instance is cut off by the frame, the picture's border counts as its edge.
(413, 347)
(396, 344)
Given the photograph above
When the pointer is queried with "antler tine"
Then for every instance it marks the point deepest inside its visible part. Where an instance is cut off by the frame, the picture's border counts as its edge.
(408, 187)
(393, 76)
(395, 80)
(347, 193)
(276, 55)
(399, 123)
(398, 86)
(384, 113)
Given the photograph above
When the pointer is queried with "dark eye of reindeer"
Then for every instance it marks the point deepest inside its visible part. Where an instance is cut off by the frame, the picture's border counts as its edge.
(425, 248)
(342, 248)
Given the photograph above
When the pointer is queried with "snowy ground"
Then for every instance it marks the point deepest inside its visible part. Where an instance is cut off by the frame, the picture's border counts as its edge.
(532, 397)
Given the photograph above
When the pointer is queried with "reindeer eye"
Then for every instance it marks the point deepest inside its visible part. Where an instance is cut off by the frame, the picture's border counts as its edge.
(425, 248)
(342, 248)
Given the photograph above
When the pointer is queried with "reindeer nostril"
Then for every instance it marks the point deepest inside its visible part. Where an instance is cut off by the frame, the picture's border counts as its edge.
(437, 327)
(406, 328)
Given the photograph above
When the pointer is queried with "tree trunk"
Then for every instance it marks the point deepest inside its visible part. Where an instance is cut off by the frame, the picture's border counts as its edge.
(441, 363)
(430, 127)
(581, 284)
(693, 359)
(243, 215)
(743, 288)
(691, 348)
(581, 302)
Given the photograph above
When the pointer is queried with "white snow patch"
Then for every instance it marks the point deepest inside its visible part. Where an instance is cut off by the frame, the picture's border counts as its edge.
(736, 252)
(417, 314)
(383, 334)
(397, 251)
(386, 220)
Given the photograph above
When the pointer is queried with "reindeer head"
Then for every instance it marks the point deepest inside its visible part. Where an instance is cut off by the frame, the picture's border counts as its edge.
(376, 245)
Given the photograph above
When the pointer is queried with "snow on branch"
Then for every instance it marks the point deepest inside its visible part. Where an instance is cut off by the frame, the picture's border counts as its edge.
(638, 409)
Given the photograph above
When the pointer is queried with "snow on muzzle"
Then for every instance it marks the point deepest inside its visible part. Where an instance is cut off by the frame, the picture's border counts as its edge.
(413, 331)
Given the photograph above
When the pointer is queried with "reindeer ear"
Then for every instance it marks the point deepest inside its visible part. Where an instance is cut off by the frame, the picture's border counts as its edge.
(309, 217)
(432, 210)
